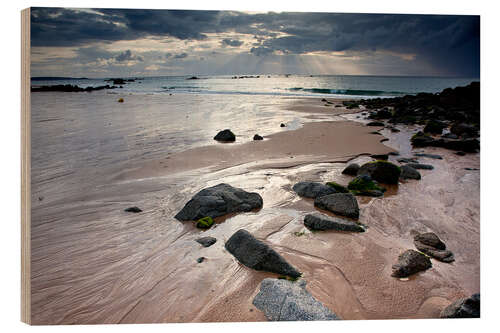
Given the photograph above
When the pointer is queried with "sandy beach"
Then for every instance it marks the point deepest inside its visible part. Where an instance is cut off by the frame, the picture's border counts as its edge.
(94, 263)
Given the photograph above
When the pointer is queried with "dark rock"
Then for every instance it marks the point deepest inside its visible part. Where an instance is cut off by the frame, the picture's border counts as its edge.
(344, 204)
(69, 88)
(421, 140)
(434, 127)
(430, 244)
(395, 130)
(375, 123)
(318, 221)
(133, 210)
(225, 135)
(430, 239)
(449, 136)
(463, 308)
(467, 145)
(193, 78)
(383, 157)
(407, 160)
(351, 170)
(434, 156)
(461, 128)
(283, 300)
(384, 140)
(207, 241)
(375, 133)
(460, 153)
(257, 255)
(471, 169)
(217, 201)
(420, 166)
(407, 172)
(337, 187)
(381, 171)
(200, 260)
(257, 137)
(282, 125)
(312, 189)
(368, 193)
(394, 153)
(410, 262)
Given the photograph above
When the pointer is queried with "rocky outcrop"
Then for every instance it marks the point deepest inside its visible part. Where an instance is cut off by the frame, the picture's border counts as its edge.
(344, 204)
(225, 136)
(217, 201)
(430, 244)
(312, 189)
(257, 255)
(283, 300)
(381, 171)
(463, 308)
(410, 262)
(206, 241)
(351, 170)
(322, 222)
(407, 172)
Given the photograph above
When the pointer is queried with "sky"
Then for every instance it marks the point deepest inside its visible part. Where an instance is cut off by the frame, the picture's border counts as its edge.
(98, 43)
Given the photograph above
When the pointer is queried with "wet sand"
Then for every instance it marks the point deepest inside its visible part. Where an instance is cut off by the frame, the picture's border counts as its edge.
(94, 263)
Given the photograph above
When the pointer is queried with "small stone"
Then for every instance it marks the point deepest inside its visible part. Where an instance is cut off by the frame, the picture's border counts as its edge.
(257, 137)
(133, 210)
(410, 262)
(207, 241)
(200, 259)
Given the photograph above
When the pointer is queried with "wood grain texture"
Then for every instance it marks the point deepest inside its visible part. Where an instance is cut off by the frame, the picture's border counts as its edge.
(25, 168)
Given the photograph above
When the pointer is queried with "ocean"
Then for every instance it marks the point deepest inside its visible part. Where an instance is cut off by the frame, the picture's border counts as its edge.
(340, 86)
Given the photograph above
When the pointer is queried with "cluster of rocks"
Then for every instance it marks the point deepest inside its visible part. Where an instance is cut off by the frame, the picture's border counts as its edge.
(411, 261)
(456, 110)
(69, 88)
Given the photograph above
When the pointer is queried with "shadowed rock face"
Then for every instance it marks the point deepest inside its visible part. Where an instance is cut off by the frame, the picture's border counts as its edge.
(322, 222)
(344, 204)
(410, 262)
(225, 136)
(217, 201)
(351, 170)
(430, 244)
(255, 254)
(312, 189)
(283, 300)
(407, 172)
(463, 308)
(381, 171)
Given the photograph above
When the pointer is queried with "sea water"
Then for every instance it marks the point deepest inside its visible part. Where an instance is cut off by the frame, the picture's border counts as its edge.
(341, 86)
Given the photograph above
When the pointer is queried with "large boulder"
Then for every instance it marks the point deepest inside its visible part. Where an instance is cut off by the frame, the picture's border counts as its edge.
(255, 254)
(463, 308)
(344, 204)
(321, 222)
(283, 300)
(312, 189)
(430, 244)
(217, 201)
(225, 136)
(381, 171)
(410, 262)
(351, 170)
(407, 172)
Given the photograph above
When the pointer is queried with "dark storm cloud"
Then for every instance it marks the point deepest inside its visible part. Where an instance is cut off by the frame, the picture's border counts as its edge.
(445, 41)
(127, 56)
(232, 42)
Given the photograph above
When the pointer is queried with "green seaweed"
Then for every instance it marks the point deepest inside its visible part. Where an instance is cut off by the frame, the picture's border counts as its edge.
(205, 222)
(339, 188)
(360, 184)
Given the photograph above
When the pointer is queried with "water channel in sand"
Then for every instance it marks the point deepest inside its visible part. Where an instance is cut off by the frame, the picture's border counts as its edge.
(94, 263)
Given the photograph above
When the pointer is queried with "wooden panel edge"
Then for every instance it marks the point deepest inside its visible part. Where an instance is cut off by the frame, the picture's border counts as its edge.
(26, 166)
